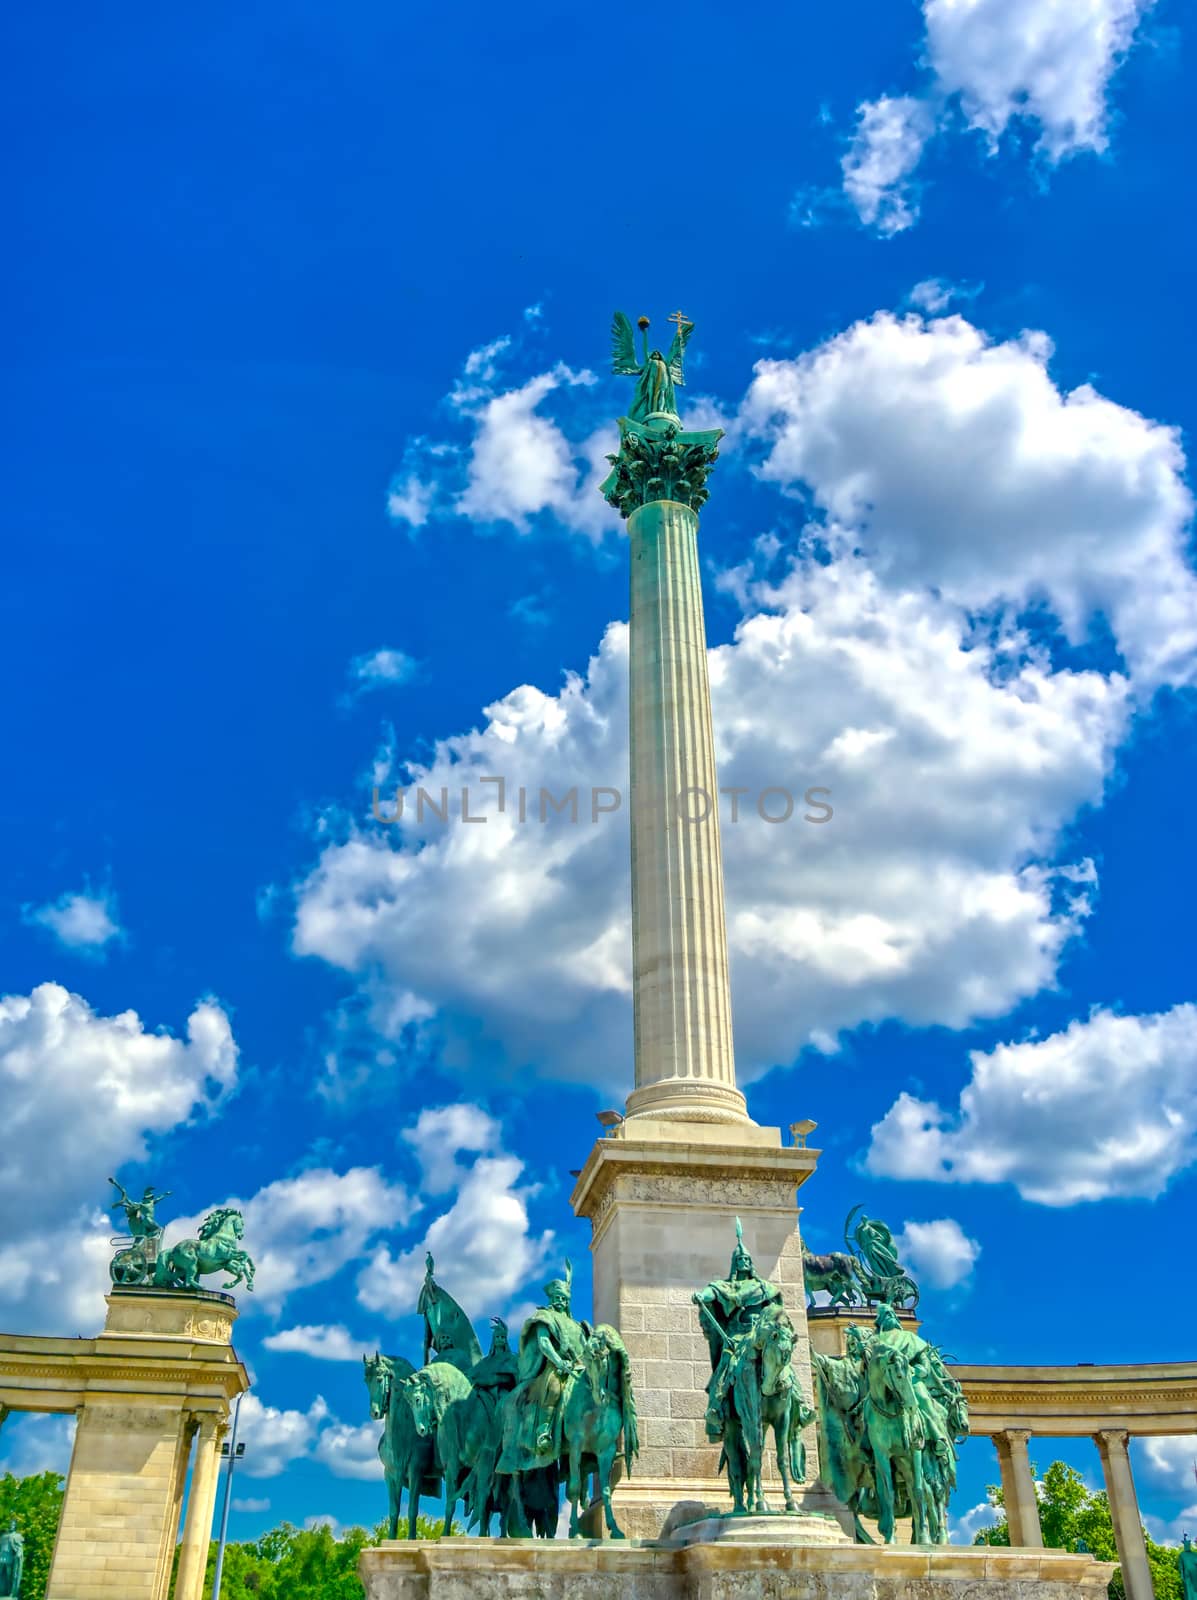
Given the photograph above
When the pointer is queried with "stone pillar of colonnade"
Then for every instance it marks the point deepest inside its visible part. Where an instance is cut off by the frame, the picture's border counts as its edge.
(1018, 1488)
(201, 1501)
(1124, 1512)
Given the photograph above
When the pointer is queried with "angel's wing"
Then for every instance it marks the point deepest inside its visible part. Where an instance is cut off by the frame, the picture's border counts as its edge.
(677, 350)
(623, 348)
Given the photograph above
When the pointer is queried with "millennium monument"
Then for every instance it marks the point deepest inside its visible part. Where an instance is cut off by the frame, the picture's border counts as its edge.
(733, 1439)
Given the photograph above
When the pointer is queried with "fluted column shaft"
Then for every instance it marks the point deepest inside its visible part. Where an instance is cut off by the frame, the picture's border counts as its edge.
(685, 1065)
(201, 1501)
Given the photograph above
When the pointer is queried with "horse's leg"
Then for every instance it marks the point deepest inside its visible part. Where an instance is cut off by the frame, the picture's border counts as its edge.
(413, 1494)
(573, 1489)
(781, 1438)
(606, 1469)
(885, 1495)
(918, 1532)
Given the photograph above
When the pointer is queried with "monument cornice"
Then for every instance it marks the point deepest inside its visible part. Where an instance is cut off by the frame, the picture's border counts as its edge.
(721, 1160)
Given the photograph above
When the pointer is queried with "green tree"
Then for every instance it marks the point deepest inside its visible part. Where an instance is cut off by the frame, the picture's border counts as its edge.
(36, 1503)
(290, 1563)
(1070, 1513)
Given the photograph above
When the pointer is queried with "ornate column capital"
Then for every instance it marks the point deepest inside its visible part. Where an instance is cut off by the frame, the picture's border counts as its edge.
(1112, 1439)
(1015, 1436)
(660, 460)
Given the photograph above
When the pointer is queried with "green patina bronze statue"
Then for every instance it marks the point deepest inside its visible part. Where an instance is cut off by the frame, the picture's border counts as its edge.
(1188, 1569)
(753, 1386)
(142, 1261)
(890, 1419)
(12, 1561)
(550, 1352)
(869, 1275)
(500, 1431)
(657, 458)
(879, 1274)
(135, 1264)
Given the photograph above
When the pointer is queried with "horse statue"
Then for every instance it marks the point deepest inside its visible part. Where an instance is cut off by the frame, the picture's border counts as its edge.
(783, 1407)
(893, 1424)
(765, 1394)
(217, 1248)
(890, 1417)
(599, 1407)
(844, 1458)
(833, 1273)
(408, 1461)
(446, 1407)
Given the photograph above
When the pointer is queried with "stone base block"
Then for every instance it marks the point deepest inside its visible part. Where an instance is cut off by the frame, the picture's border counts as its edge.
(827, 1326)
(785, 1528)
(645, 1510)
(547, 1569)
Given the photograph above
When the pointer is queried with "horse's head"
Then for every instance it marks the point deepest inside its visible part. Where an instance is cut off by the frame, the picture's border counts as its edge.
(602, 1357)
(775, 1341)
(378, 1381)
(224, 1220)
(890, 1367)
(420, 1395)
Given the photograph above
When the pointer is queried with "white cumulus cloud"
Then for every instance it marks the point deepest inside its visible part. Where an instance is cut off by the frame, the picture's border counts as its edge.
(486, 1232)
(1106, 1107)
(381, 668)
(274, 1437)
(518, 464)
(303, 1230)
(325, 1342)
(82, 1096)
(939, 1253)
(931, 895)
(83, 922)
(992, 63)
(956, 462)
(886, 148)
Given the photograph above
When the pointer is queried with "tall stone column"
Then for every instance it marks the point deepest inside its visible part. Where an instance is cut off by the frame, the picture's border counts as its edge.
(1124, 1513)
(1018, 1488)
(684, 1063)
(201, 1501)
(664, 1190)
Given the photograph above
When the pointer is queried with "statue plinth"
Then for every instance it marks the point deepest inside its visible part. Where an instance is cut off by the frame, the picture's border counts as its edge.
(662, 1198)
(828, 1325)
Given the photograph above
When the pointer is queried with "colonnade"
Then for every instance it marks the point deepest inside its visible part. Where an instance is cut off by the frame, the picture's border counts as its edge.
(201, 1502)
(1022, 1503)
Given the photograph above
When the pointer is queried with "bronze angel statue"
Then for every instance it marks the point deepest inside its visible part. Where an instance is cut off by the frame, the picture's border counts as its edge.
(657, 373)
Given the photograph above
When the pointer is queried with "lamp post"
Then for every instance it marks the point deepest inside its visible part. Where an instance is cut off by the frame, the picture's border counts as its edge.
(232, 1452)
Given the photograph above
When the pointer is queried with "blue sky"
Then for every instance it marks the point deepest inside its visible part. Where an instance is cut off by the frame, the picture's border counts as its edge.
(306, 352)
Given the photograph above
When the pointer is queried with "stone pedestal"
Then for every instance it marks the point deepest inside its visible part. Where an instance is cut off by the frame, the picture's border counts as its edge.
(662, 1199)
(160, 1375)
(539, 1569)
(827, 1326)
